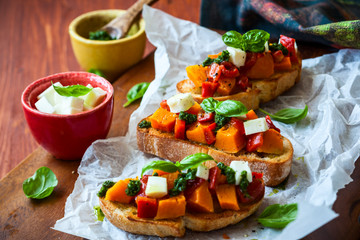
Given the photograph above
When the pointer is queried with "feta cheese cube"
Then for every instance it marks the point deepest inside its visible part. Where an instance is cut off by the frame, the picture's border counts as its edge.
(267, 46)
(156, 187)
(255, 126)
(180, 102)
(70, 105)
(238, 167)
(94, 97)
(50, 94)
(43, 105)
(202, 172)
(237, 56)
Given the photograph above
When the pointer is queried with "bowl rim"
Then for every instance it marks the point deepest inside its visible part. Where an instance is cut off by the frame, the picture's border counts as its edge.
(31, 87)
(75, 21)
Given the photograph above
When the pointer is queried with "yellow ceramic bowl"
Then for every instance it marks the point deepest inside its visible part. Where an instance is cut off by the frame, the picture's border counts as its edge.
(111, 57)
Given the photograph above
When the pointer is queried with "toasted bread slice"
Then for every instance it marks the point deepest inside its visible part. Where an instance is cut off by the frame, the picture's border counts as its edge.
(262, 90)
(124, 216)
(274, 167)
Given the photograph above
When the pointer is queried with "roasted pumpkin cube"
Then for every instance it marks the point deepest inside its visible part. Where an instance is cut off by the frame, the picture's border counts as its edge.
(163, 120)
(226, 87)
(117, 192)
(201, 200)
(197, 74)
(226, 195)
(229, 139)
(171, 208)
(272, 142)
(263, 67)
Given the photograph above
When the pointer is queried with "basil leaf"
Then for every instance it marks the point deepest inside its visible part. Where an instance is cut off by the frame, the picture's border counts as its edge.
(288, 115)
(230, 108)
(233, 39)
(136, 92)
(41, 184)
(209, 104)
(99, 213)
(255, 40)
(278, 216)
(72, 91)
(97, 72)
(193, 160)
(161, 165)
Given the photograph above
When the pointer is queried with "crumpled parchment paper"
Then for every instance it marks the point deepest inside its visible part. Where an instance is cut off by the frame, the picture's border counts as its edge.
(326, 143)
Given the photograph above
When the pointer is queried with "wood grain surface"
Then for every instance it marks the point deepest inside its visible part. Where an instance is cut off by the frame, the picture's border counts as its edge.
(34, 43)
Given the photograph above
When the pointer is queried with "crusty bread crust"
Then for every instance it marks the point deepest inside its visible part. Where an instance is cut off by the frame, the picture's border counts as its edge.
(274, 167)
(124, 216)
(262, 90)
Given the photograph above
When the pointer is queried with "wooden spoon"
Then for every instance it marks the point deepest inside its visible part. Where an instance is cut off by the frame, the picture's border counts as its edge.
(120, 25)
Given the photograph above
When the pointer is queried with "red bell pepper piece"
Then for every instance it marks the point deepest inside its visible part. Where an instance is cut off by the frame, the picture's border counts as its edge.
(209, 88)
(215, 178)
(271, 124)
(146, 207)
(179, 130)
(243, 83)
(191, 185)
(215, 71)
(254, 141)
(209, 133)
(164, 105)
(238, 124)
(289, 43)
(143, 181)
(229, 70)
(254, 192)
(206, 117)
(278, 56)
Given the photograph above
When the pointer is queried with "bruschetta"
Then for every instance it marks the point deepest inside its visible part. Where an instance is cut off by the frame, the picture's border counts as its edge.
(251, 70)
(226, 130)
(179, 196)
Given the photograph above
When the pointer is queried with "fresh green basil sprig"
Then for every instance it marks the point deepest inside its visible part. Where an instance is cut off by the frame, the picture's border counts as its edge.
(72, 90)
(253, 40)
(288, 115)
(278, 216)
(136, 92)
(188, 162)
(228, 108)
(41, 184)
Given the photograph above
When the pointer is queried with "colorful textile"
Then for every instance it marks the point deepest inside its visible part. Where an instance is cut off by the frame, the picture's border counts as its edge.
(333, 23)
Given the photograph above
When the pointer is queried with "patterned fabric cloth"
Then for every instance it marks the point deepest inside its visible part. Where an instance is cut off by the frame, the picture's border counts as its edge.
(333, 22)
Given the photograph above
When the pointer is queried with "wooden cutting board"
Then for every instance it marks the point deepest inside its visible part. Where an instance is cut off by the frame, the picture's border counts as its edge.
(23, 218)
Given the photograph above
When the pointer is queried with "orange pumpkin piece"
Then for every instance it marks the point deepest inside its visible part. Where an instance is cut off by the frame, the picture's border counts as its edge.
(195, 109)
(226, 87)
(229, 139)
(213, 56)
(284, 65)
(272, 142)
(170, 179)
(117, 192)
(226, 195)
(171, 208)
(196, 133)
(197, 74)
(159, 172)
(251, 115)
(163, 120)
(200, 200)
(263, 67)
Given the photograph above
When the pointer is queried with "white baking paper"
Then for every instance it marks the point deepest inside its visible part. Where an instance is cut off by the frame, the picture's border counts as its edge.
(326, 143)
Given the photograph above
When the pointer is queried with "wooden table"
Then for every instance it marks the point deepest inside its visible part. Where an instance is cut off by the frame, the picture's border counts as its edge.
(37, 45)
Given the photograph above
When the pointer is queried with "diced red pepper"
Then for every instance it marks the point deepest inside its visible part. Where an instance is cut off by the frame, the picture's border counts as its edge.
(164, 105)
(254, 141)
(215, 71)
(206, 117)
(209, 89)
(271, 124)
(255, 191)
(209, 133)
(179, 130)
(278, 56)
(289, 43)
(191, 185)
(146, 207)
(238, 124)
(215, 178)
(243, 82)
(229, 70)
(143, 181)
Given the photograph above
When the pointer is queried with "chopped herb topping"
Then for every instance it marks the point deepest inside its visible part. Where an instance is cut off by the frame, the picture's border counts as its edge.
(106, 185)
(133, 187)
(181, 181)
(278, 46)
(145, 124)
(228, 172)
(220, 121)
(223, 57)
(187, 117)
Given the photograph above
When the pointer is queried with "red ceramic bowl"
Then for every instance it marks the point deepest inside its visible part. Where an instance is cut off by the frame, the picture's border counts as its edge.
(68, 136)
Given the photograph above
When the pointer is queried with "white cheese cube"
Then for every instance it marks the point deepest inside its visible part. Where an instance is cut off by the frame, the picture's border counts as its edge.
(267, 46)
(89, 86)
(70, 105)
(156, 187)
(238, 167)
(202, 172)
(255, 126)
(180, 102)
(50, 93)
(94, 97)
(43, 105)
(87, 107)
(237, 56)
